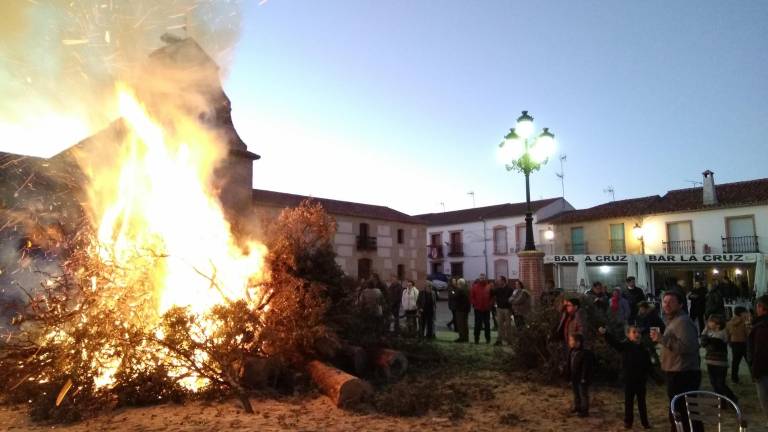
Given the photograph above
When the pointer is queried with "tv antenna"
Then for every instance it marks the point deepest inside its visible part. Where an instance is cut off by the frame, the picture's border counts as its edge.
(695, 183)
(611, 191)
(561, 174)
(473, 197)
(443, 205)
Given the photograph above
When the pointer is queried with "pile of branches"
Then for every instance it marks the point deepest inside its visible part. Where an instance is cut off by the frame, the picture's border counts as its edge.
(90, 339)
(541, 353)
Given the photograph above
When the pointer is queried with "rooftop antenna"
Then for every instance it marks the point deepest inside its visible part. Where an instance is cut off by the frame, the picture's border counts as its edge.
(695, 183)
(561, 174)
(473, 197)
(443, 204)
(611, 191)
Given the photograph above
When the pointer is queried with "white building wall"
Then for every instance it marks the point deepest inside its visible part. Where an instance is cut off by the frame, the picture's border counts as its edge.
(477, 237)
(708, 226)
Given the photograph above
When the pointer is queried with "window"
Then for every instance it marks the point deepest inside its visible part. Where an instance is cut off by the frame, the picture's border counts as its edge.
(578, 245)
(364, 229)
(501, 268)
(617, 239)
(679, 238)
(740, 235)
(363, 268)
(400, 236)
(457, 269)
(400, 271)
(457, 248)
(520, 237)
(437, 267)
(500, 240)
(435, 239)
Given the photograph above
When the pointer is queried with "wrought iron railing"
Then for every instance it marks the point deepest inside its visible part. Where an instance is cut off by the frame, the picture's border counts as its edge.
(456, 250)
(435, 251)
(366, 243)
(744, 244)
(617, 246)
(576, 248)
(679, 247)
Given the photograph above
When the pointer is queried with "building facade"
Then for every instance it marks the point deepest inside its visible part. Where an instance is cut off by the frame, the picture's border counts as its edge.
(369, 239)
(485, 240)
(701, 233)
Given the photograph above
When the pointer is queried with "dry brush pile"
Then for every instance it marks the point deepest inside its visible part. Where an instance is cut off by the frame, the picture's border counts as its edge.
(89, 339)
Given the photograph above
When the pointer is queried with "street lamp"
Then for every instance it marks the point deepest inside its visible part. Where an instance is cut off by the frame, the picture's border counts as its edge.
(521, 152)
(637, 231)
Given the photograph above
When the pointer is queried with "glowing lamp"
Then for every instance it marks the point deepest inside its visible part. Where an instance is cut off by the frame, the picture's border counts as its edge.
(738, 271)
(524, 125)
(549, 234)
(715, 271)
(605, 269)
(637, 231)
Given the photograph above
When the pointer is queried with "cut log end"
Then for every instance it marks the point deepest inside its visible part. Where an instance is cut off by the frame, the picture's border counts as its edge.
(392, 363)
(343, 389)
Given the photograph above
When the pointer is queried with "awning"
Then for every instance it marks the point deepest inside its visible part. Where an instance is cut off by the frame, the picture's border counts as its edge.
(761, 279)
(642, 274)
(582, 277)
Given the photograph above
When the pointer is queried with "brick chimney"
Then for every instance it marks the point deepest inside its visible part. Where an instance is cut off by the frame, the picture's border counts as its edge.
(709, 196)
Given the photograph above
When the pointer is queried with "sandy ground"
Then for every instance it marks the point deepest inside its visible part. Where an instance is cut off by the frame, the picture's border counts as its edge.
(510, 404)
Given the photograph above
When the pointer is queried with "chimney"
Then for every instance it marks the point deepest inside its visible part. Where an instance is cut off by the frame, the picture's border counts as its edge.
(710, 196)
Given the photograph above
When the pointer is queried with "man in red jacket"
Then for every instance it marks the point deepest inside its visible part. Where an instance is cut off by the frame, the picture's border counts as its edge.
(480, 297)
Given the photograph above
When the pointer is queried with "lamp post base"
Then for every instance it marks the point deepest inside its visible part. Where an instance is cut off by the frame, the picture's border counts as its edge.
(532, 273)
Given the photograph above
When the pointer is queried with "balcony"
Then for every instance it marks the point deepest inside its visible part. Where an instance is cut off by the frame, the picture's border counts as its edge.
(366, 243)
(456, 250)
(435, 252)
(617, 246)
(679, 247)
(576, 248)
(746, 244)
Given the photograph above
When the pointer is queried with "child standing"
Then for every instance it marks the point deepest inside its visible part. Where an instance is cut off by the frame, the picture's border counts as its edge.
(580, 371)
(715, 340)
(636, 363)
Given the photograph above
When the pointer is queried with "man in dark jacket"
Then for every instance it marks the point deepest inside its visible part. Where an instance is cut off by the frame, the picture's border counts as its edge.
(501, 293)
(597, 297)
(715, 303)
(462, 311)
(427, 304)
(757, 352)
(634, 296)
(395, 296)
(698, 298)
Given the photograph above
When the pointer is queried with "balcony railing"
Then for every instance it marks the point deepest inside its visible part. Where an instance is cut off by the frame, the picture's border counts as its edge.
(576, 248)
(365, 243)
(618, 246)
(456, 250)
(435, 251)
(745, 244)
(679, 247)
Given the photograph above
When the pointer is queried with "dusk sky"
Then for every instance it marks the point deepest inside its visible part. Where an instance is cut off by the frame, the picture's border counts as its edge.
(402, 103)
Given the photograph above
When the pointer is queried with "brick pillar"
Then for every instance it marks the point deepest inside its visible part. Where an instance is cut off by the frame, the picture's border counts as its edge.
(532, 273)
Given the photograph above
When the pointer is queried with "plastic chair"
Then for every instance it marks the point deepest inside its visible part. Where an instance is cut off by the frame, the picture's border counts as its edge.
(704, 406)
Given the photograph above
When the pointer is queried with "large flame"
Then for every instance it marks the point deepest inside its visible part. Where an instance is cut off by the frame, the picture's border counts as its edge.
(158, 200)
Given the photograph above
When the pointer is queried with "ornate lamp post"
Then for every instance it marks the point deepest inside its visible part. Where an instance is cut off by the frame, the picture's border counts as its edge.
(523, 152)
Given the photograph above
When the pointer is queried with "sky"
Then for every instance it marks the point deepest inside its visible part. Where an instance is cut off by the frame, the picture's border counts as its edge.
(403, 103)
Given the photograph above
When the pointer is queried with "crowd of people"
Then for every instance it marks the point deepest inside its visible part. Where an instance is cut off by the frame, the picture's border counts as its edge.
(672, 343)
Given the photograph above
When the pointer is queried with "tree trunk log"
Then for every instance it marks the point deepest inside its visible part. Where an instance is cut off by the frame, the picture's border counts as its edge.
(342, 388)
(393, 364)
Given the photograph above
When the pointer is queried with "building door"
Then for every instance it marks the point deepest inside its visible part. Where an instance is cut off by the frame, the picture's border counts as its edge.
(680, 238)
(617, 238)
(363, 268)
(740, 235)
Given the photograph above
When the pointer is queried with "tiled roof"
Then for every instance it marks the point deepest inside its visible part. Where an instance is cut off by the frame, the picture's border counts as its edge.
(335, 207)
(480, 213)
(738, 194)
